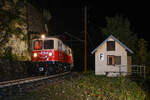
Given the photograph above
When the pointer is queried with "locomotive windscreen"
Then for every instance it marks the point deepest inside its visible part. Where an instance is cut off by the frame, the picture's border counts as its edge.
(48, 44)
(38, 45)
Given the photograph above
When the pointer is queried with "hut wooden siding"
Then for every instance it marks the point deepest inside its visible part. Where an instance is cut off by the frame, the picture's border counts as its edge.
(101, 66)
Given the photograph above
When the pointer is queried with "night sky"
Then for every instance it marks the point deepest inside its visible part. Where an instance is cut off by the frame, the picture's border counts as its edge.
(68, 16)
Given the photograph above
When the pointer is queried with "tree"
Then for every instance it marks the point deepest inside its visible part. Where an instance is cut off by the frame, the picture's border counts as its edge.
(120, 28)
(142, 51)
(11, 21)
(12, 25)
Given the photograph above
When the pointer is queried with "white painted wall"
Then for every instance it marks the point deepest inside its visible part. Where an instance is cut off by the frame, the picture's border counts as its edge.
(101, 65)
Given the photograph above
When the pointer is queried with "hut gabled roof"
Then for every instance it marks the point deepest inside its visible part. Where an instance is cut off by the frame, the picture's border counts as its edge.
(111, 36)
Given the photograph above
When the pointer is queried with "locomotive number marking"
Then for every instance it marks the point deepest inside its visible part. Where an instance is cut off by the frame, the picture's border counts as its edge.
(44, 52)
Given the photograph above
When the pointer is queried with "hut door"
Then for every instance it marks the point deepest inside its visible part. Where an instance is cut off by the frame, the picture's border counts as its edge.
(129, 63)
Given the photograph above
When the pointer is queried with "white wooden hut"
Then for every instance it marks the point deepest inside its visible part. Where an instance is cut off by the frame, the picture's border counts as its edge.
(111, 57)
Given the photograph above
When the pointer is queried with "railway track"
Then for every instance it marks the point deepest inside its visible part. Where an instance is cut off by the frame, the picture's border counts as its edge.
(6, 84)
(8, 89)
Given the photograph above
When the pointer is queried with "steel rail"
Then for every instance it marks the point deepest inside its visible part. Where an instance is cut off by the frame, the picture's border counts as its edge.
(28, 80)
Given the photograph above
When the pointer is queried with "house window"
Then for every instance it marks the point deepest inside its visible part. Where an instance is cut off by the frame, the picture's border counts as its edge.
(118, 60)
(110, 45)
(110, 60)
(113, 60)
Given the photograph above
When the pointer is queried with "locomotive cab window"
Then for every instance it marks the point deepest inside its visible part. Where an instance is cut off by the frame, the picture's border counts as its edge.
(48, 44)
(38, 45)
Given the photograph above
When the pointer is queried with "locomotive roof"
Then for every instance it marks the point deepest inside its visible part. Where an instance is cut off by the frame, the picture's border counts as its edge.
(46, 38)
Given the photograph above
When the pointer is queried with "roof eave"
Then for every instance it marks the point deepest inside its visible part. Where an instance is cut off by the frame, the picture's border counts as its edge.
(111, 36)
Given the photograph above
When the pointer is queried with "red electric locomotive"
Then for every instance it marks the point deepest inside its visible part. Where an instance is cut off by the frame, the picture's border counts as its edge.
(50, 55)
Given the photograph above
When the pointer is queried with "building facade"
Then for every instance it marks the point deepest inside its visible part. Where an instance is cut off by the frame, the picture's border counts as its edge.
(111, 57)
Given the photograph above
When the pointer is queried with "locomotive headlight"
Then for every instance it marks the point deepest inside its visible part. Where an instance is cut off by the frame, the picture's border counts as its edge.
(43, 36)
(50, 54)
(35, 55)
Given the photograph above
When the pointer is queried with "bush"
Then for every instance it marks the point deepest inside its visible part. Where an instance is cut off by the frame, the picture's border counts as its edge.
(91, 87)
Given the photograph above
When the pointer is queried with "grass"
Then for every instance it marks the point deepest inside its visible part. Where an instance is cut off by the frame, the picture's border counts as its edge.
(90, 87)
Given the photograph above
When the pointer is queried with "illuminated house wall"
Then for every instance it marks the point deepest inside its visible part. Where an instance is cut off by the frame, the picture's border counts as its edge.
(106, 61)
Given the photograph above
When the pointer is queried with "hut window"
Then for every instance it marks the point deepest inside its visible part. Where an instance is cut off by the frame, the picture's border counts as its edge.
(114, 60)
(118, 60)
(110, 60)
(110, 45)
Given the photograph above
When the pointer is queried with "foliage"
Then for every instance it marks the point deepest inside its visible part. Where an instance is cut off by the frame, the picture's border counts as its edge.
(90, 87)
(9, 18)
(8, 54)
(147, 60)
(12, 23)
(120, 28)
(142, 51)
